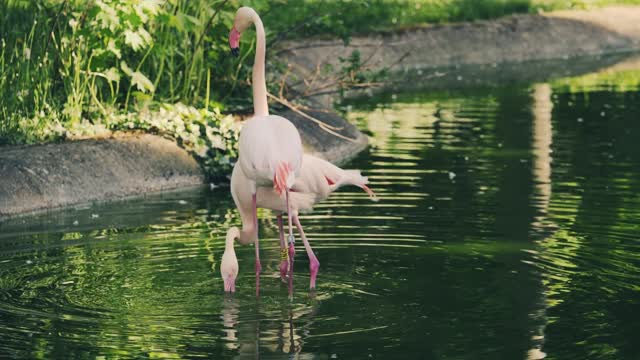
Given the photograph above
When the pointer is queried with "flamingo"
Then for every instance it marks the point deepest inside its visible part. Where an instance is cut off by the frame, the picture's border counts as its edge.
(229, 263)
(270, 149)
(317, 180)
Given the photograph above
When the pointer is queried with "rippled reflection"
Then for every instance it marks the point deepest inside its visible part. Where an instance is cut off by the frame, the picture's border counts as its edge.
(507, 228)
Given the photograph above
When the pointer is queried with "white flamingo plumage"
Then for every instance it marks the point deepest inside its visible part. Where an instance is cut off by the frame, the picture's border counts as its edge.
(317, 180)
(270, 149)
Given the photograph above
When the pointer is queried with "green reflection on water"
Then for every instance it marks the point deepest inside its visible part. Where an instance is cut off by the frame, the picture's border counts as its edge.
(507, 227)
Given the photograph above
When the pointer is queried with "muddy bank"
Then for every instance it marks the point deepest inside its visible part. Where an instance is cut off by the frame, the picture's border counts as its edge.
(49, 176)
(43, 177)
(513, 39)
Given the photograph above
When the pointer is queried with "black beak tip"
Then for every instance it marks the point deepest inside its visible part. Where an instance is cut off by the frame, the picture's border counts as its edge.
(235, 52)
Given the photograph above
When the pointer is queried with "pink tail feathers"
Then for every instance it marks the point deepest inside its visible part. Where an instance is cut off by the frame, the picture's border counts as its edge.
(284, 178)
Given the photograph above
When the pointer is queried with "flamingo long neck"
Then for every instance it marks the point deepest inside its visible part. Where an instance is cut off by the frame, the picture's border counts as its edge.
(248, 233)
(229, 245)
(260, 105)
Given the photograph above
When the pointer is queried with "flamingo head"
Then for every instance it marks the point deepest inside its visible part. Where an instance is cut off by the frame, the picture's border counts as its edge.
(229, 263)
(230, 284)
(243, 19)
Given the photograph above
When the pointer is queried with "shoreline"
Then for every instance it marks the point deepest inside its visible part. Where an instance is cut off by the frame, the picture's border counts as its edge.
(511, 40)
(51, 176)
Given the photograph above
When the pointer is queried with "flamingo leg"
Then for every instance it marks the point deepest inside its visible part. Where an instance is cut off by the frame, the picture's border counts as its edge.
(314, 264)
(258, 266)
(292, 249)
(284, 257)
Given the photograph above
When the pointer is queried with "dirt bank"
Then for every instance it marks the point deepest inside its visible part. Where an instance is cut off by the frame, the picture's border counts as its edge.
(54, 175)
(513, 39)
(37, 178)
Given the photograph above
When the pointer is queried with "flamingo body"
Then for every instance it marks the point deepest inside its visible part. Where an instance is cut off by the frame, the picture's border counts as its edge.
(266, 142)
(317, 180)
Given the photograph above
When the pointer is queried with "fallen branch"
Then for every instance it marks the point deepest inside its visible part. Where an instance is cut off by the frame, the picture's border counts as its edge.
(324, 126)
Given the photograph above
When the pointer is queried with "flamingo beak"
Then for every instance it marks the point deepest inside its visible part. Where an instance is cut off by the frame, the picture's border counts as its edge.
(229, 285)
(234, 41)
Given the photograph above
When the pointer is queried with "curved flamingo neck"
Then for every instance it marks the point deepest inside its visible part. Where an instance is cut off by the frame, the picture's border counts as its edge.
(229, 245)
(248, 234)
(260, 104)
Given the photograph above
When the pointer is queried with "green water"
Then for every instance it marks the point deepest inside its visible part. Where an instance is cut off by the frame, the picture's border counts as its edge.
(507, 227)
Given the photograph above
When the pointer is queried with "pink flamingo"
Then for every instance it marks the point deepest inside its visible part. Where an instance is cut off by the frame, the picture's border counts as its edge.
(317, 180)
(229, 263)
(270, 147)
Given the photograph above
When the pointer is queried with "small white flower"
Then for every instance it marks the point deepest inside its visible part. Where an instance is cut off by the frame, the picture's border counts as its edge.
(112, 75)
(107, 16)
(133, 39)
(146, 37)
(26, 52)
(217, 142)
(111, 46)
(153, 7)
(201, 150)
(138, 79)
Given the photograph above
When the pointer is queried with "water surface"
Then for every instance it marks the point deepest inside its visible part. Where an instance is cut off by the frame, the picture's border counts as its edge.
(507, 229)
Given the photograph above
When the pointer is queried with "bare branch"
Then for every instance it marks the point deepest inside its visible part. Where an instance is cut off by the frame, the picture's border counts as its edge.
(324, 126)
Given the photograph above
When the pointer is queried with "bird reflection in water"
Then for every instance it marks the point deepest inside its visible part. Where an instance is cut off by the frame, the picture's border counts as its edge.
(230, 311)
(265, 332)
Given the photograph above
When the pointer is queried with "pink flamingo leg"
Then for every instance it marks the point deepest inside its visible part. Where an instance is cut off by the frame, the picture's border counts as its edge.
(258, 266)
(284, 257)
(314, 264)
(292, 249)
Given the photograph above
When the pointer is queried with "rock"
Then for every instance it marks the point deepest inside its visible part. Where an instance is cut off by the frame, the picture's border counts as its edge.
(54, 175)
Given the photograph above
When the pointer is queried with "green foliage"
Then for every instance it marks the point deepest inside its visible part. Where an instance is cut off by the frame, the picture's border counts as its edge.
(208, 135)
(70, 69)
(72, 64)
(354, 73)
(610, 79)
(109, 53)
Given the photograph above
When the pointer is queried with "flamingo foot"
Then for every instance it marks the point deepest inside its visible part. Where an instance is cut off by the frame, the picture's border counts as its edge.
(314, 265)
(284, 270)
